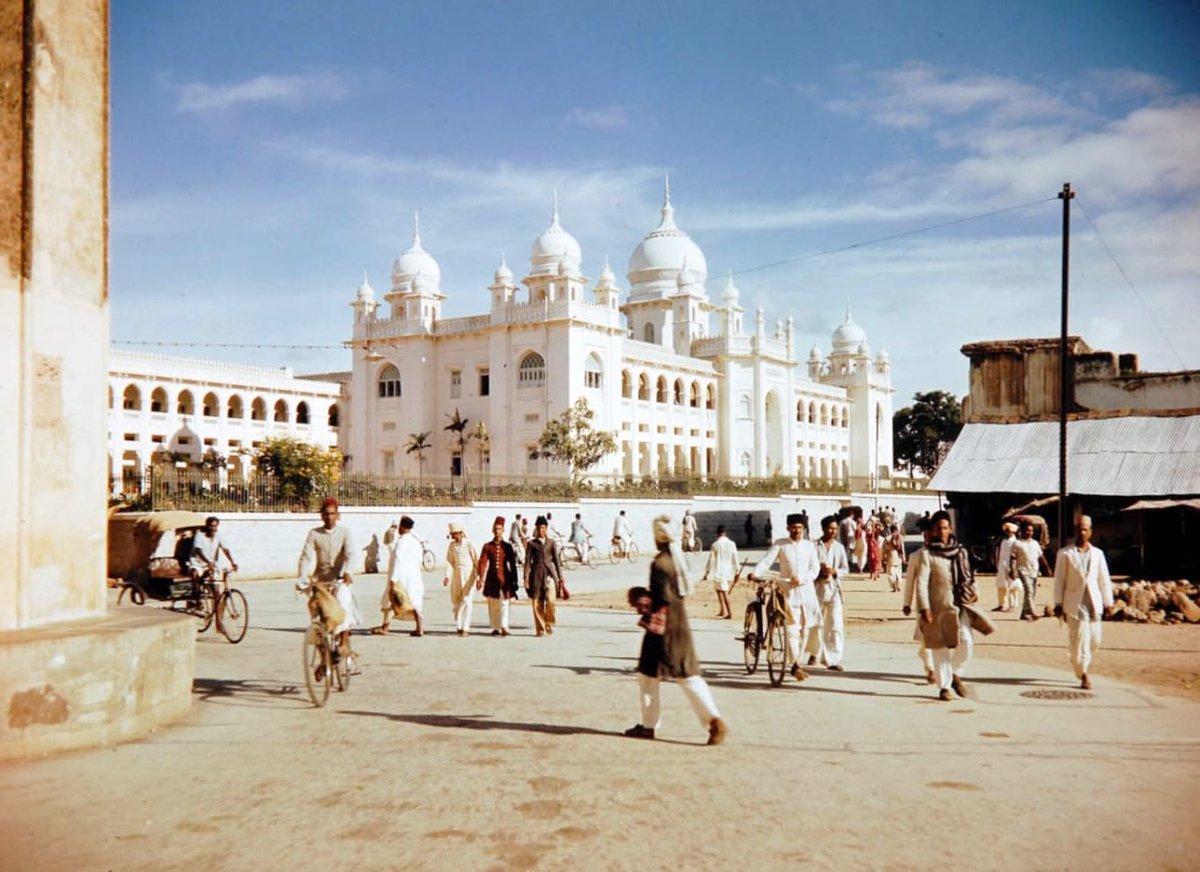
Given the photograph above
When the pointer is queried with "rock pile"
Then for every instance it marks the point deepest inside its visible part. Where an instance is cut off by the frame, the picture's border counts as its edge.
(1156, 602)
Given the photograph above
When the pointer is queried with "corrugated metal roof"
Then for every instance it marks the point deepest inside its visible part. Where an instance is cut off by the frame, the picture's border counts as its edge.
(1127, 456)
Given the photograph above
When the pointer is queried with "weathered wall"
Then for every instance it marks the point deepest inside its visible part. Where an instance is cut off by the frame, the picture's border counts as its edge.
(53, 307)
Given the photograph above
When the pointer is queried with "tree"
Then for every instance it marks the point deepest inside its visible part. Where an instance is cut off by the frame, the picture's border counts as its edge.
(417, 444)
(573, 440)
(302, 469)
(458, 425)
(922, 432)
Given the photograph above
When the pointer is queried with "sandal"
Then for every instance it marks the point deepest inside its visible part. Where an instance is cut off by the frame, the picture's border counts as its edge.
(379, 631)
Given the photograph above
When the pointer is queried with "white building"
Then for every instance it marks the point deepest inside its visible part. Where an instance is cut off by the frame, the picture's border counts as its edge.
(685, 385)
(192, 407)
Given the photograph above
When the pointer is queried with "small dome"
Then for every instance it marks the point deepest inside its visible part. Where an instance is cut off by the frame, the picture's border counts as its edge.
(815, 354)
(607, 279)
(416, 261)
(883, 356)
(365, 291)
(665, 248)
(503, 274)
(423, 283)
(553, 247)
(862, 349)
(730, 294)
(849, 336)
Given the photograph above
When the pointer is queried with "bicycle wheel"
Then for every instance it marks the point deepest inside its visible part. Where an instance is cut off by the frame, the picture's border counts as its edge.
(206, 608)
(233, 615)
(593, 556)
(570, 556)
(427, 560)
(631, 553)
(615, 554)
(341, 672)
(751, 627)
(776, 650)
(316, 658)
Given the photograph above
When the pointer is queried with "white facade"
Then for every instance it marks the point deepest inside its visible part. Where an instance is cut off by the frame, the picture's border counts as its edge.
(682, 394)
(190, 407)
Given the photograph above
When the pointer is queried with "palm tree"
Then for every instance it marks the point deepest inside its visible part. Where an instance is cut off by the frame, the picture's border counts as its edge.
(482, 438)
(458, 424)
(417, 444)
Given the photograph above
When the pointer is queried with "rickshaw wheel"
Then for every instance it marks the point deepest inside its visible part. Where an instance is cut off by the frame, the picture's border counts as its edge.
(135, 596)
(233, 615)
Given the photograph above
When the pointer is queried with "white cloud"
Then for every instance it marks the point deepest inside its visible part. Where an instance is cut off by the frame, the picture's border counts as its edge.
(606, 118)
(287, 90)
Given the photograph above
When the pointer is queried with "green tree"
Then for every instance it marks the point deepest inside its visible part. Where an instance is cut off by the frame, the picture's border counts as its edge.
(458, 426)
(922, 432)
(573, 439)
(304, 471)
(418, 444)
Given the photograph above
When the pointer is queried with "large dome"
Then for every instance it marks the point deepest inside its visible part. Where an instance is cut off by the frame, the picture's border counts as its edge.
(416, 261)
(849, 336)
(665, 250)
(553, 247)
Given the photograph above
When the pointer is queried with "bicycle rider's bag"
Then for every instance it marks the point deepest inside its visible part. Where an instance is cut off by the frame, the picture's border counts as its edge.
(331, 611)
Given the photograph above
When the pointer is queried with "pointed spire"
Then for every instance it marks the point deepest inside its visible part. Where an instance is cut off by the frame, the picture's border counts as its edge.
(848, 318)
(554, 217)
(416, 229)
(667, 189)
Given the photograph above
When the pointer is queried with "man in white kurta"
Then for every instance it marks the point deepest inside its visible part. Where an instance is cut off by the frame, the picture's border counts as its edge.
(829, 644)
(622, 535)
(325, 558)
(798, 568)
(1083, 594)
(909, 597)
(1006, 576)
(722, 568)
(461, 563)
(405, 572)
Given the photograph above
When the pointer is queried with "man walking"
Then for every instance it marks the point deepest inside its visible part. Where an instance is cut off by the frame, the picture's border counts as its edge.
(496, 576)
(722, 568)
(461, 563)
(829, 644)
(1006, 578)
(798, 569)
(1082, 594)
(945, 585)
(405, 573)
(1027, 559)
(669, 652)
(543, 574)
(516, 538)
(909, 596)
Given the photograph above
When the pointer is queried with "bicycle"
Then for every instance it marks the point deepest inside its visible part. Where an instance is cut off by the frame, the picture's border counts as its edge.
(629, 552)
(324, 663)
(428, 558)
(765, 625)
(572, 554)
(209, 599)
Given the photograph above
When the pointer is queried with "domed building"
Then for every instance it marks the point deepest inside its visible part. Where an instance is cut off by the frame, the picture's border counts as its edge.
(677, 379)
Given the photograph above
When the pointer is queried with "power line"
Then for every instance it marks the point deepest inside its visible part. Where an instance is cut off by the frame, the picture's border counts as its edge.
(1132, 286)
(890, 237)
(224, 345)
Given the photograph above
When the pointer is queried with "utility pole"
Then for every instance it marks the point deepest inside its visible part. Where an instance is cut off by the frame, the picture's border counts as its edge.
(1064, 365)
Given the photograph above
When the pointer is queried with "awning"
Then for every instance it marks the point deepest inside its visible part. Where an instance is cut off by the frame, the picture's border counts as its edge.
(1129, 456)
(1151, 505)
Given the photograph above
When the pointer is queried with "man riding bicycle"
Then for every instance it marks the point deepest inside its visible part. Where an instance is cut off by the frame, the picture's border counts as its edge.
(325, 563)
(207, 546)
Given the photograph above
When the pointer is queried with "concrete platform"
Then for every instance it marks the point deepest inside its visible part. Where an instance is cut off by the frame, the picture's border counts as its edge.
(79, 684)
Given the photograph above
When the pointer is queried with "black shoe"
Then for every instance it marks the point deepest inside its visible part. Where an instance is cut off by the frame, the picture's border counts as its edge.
(812, 659)
(637, 731)
(957, 684)
(837, 667)
(944, 695)
(798, 673)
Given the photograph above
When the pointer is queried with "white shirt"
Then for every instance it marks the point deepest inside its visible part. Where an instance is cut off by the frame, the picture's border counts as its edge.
(722, 560)
(1027, 552)
(832, 555)
(797, 562)
(1004, 567)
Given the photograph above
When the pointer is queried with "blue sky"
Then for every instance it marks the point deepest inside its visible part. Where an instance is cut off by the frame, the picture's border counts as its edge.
(265, 154)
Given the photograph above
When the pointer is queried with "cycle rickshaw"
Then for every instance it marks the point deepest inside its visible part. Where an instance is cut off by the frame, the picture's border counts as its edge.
(147, 557)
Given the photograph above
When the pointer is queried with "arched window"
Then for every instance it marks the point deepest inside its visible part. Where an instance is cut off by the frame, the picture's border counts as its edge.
(660, 394)
(678, 392)
(131, 400)
(812, 412)
(235, 408)
(258, 410)
(833, 416)
(694, 397)
(110, 396)
(185, 405)
(302, 412)
(211, 406)
(648, 333)
(389, 381)
(532, 371)
(824, 415)
(158, 400)
(800, 412)
(281, 412)
(643, 387)
(626, 385)
(744, 406)
(593, 372)
(710, 397)
(846, 416)
(333, 417)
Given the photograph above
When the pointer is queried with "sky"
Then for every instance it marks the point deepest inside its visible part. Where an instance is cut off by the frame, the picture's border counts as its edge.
(900, 158)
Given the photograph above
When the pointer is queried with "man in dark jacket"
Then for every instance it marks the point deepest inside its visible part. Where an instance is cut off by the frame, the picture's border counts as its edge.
(497, 577)
(543, 574)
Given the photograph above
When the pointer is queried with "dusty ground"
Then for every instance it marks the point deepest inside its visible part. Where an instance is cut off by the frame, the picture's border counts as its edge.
(1163, 657)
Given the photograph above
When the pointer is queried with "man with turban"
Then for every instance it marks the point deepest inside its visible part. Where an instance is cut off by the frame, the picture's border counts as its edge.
(798, 570)
(461, 563)
(669, 653)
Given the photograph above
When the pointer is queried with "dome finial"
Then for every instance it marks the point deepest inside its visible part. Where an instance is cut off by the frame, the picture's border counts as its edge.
(848, 318)
(667, 189)
(554, 217)
(417, 229)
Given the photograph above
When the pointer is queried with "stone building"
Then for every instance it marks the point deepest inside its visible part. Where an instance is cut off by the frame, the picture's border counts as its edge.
(686, 385)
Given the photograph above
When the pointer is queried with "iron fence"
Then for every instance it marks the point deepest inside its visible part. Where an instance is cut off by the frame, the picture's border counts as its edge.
(197, 489)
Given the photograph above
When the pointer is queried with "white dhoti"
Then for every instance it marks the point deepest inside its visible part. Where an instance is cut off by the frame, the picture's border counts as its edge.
(949, 662)
(497, 612)
(828, 641)
(461, 603)
(1083, 634)
(345, 598)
